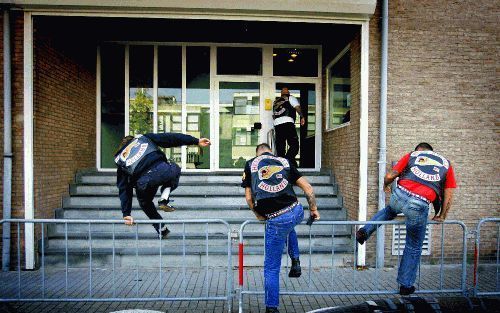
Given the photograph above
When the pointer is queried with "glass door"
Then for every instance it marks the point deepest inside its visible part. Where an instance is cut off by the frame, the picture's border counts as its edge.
(238, 106)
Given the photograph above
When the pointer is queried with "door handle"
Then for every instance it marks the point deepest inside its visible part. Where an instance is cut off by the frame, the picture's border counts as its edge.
(257, 125)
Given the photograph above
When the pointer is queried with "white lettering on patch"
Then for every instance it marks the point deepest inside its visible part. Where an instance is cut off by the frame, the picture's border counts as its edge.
(428, 177)
(138, 155)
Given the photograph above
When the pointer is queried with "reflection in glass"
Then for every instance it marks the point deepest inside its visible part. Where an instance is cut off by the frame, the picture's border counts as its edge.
(112, 101)
(141, 90)
(239, 110)
(198, 104)
(170, 95)
(295, 62)
(306, 95)
(339, 91)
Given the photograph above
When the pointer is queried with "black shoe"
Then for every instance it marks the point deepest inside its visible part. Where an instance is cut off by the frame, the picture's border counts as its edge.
(404, 291)
(295, 270)
(165, 206)
(164, 232)
(272, 310)
(361, 236)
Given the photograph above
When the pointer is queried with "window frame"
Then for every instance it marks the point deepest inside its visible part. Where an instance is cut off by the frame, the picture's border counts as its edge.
(339, 56)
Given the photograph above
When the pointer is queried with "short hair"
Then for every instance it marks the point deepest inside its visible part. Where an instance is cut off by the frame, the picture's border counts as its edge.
(424, 146)
(262, 146)
(125, 141)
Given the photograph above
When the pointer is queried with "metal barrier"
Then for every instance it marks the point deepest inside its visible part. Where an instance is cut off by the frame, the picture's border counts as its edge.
(357, 277)
(477, 254)
(60, 289)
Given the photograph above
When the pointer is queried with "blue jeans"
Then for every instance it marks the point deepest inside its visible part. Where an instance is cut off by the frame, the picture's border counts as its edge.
(159, 175)
(416, 212)
(278, 230)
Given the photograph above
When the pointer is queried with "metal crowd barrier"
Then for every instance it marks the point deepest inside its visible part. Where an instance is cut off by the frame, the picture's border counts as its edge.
(66, 295)
(378, 288)
(478, 291)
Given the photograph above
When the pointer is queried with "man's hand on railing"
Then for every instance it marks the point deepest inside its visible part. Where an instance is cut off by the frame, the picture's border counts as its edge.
(438, 218)
(129, 220)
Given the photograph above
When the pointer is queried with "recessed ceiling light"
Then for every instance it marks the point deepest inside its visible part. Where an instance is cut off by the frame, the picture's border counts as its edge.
(293, 55)
(291, 60)
(275, 54)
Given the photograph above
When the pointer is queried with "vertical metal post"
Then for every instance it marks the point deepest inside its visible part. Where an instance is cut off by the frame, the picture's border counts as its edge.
(7, 141)
(66, 259)
(498, 245)
(333, 253)
(206, 261)
(310, 256)
(90, 262)
(113, 260)
(43, 263)
(355, 257)
(441, 277)
(18, 260)
(137, 259)
(184, 286)
(399, 246)
(161, 265)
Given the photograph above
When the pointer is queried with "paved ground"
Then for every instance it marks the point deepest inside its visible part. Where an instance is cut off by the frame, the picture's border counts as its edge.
(177, 283)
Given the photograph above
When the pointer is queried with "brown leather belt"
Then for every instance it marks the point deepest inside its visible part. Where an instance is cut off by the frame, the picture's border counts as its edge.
(282, 211)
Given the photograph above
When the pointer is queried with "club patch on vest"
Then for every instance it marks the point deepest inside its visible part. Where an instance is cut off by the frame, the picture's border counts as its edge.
(268, 171)
(273, 188)
(423, 160)
(138, 155)
(428, 177)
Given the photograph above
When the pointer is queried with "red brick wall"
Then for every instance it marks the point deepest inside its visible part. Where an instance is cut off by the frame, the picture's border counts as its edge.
(64, 113)
(341, 145)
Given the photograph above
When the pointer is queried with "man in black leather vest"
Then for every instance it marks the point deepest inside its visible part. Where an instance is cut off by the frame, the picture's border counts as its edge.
(141, 164)
(285, 110)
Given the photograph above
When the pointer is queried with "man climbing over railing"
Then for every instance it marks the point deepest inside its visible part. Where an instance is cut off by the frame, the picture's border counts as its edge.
(268, 181)
(141, 164)
(425, 177)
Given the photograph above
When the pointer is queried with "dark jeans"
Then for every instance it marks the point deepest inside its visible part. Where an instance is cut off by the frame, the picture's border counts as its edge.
(159, 175)
(286, 133)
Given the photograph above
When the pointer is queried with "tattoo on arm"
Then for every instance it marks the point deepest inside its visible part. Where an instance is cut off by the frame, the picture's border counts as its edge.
(311, 199)
(389, 178)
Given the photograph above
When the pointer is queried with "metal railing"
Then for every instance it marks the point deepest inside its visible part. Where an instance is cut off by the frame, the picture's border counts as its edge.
(357, 279)
(478, 291)
(64, 287)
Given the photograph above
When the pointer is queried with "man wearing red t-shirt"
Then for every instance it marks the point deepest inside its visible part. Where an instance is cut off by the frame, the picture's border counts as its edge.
(425, 177)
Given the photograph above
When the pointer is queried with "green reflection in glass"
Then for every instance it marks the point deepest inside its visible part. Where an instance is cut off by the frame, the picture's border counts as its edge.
(140, 111)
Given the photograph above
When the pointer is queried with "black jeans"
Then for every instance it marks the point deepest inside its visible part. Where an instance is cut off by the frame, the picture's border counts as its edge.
(162, 174)
(286, 133)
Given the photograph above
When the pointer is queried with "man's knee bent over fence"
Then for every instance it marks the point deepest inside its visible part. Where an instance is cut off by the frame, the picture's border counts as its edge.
(91, 264)
(325, 276)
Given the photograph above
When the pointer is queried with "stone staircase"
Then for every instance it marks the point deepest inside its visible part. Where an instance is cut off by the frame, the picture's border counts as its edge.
(200, 195)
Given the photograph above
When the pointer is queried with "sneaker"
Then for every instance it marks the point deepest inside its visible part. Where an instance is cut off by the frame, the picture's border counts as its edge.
(361, 236)
(295, 270)
(272, 310)
(405, 291)
(165, 206)
(164, 232)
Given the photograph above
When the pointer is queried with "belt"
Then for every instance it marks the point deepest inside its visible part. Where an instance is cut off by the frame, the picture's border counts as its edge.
(412, 194)
(282, 211)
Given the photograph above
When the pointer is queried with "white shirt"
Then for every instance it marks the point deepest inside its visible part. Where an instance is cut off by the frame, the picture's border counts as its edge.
(287, 119)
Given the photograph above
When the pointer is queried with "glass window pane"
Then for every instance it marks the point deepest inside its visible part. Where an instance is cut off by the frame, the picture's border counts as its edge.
(339, 87)
(141, 89)
(170, 95)
(239, 61)
(112, 101)
(239, 110)
(295, 62)
(198, 103)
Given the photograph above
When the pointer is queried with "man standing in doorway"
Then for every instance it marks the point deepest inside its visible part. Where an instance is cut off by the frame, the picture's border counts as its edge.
(268, 181)
(141, 164)
(425, 177)
(285, 110)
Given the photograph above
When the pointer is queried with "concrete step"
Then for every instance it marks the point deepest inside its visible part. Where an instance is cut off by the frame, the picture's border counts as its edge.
(193, 202)
(209, 178)
(152, 241)
(192, 190)
(181, 214)
(234, 224)
(173, 257)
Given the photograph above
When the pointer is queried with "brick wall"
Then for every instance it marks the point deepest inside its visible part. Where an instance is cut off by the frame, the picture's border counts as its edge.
(64, 113)
(341, 145)
(442, 89)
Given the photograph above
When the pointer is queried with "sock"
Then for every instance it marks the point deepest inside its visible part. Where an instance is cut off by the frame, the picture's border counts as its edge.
(165, 194)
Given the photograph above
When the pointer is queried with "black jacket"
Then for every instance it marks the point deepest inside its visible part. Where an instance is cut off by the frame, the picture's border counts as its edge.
(125, 182)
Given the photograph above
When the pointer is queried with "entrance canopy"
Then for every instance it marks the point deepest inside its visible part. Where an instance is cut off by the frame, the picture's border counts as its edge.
(348, 8)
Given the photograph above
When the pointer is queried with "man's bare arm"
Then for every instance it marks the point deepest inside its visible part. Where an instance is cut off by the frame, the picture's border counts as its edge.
(250, 202)
(303, 184)
(389, 178)
(302, 119)
(447, 200)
